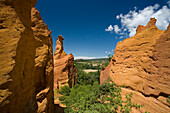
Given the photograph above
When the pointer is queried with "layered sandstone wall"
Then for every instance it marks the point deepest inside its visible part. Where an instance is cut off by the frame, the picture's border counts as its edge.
(17, 63)
(26, 61)
(43, 75)
(65, 73)
(142, 64)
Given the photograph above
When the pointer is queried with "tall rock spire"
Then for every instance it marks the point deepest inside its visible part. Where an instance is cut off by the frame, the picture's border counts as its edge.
(59, 50)
(65, 73)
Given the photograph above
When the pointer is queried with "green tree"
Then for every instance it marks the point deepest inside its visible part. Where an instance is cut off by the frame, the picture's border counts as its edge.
(65, 90)
(105, 98)
(110, 57)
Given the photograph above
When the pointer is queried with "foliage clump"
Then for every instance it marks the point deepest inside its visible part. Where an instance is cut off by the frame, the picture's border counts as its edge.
(87, 78)
(87, 96)
(84, 78)
(105, 98)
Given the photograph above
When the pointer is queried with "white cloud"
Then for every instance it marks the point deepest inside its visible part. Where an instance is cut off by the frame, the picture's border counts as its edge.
(121, 15)
(121, 37)
(168, 3)
(135, 8)
(110, 28)
(117, 17)
(133, 18)
(86, 57)
(163, 17)
(116, 28)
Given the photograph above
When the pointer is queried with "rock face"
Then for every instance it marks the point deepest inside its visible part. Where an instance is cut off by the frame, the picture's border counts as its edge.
(26, 62)
(17, 57)
(142, 64)
(65, 73)
(44, 75)
(104, 74)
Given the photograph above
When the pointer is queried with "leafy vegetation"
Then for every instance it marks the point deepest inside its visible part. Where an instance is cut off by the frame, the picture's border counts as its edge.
(108, 60)
(87, 96)
(84, 78)
(110, 57)
(90, 78)
(105, 98)
(84, 65)
(65, 90)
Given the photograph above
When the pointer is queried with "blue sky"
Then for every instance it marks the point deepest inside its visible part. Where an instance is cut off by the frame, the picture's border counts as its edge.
(84, 23)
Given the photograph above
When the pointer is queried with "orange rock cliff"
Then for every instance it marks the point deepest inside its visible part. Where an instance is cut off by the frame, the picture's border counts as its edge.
(142, 64)
(65, 73)
(44, 76)
(26, 60)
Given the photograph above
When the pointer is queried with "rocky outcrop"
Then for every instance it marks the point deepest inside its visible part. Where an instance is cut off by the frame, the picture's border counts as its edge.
(141, 63)
(44, 75)
(17, 48)
(65, 73)
(26, 62)
(104, 74)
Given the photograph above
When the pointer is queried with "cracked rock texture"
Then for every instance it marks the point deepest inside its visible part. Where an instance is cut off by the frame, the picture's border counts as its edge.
(26, 61)
(44, 75)
(142, 64)
(65, 73)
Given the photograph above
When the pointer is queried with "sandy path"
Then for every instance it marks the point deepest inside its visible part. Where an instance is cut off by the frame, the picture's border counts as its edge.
(90, 70)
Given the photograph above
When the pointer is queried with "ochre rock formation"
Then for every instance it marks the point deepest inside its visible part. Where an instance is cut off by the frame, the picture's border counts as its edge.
(17, 48)
(104, 74)
(26, 62)
(65, 73)
(142, 64)
(44, 74)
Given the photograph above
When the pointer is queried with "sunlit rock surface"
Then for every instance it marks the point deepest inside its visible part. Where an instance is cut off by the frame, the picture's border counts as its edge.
(26, 60)
(44, 74)
(65, 73)
(142, 64)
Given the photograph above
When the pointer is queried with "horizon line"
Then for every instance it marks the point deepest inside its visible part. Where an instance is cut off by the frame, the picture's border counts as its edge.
(86, 57)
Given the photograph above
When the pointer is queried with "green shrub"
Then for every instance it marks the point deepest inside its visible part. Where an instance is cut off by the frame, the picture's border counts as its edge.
(65, 90)
(88, 96)
(87, 78)
(105, 98)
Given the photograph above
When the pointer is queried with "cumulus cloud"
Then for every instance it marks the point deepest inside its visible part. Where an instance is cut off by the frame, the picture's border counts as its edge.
(110, 28)
(133, 18)
(86, 57)
(116, 28)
